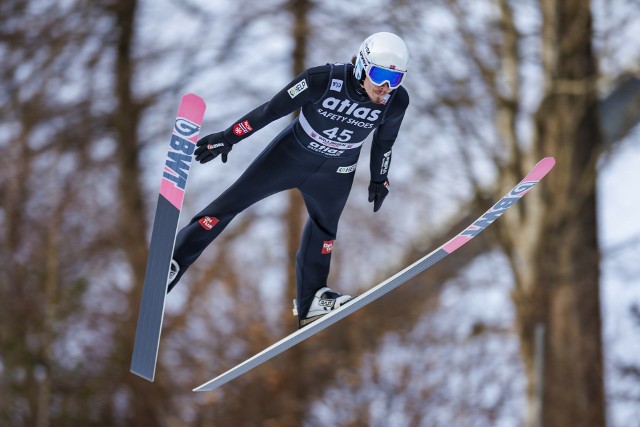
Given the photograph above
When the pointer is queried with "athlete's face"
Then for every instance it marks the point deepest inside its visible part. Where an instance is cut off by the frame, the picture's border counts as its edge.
(376, 93)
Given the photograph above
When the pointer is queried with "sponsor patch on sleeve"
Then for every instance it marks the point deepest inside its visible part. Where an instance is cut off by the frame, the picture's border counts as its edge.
(242, 128)
(297, 88)
(386, 160)
(336, 85)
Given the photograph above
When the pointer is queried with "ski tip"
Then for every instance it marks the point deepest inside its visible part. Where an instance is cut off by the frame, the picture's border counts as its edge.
(192, 97)
(541, 169)
(549, 161)
(192, 108)
(547, 164)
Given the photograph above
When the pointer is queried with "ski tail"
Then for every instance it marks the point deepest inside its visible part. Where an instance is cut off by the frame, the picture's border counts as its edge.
(540, 170)
(172, 189)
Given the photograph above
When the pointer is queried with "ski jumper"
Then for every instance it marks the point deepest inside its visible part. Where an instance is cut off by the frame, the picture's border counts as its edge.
(316, 153)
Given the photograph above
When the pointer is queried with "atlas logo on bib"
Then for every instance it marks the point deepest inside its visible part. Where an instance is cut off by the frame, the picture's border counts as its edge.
(350, 108)
(328, 151)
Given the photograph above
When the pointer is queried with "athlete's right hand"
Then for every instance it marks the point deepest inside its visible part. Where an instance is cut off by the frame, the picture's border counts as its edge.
(377, 192)
(211, 146)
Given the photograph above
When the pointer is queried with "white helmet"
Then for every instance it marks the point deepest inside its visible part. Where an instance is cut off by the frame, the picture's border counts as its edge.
(384, 58)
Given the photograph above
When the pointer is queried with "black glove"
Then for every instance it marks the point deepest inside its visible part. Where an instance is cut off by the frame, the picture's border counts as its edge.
(377, 192)
(211, 146)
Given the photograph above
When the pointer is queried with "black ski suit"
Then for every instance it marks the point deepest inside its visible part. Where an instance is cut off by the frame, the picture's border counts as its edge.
(316, 153)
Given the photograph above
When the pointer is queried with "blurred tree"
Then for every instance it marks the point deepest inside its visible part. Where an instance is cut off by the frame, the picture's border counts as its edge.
(551, 239)
(556, 278)
(631, 371)
(557, 267)
(46, 165)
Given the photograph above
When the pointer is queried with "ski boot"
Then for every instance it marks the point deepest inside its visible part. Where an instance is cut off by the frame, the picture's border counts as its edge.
(174, 270)
(324, 301)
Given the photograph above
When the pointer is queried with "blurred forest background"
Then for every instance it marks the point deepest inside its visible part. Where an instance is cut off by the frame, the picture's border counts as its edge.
(535, 323)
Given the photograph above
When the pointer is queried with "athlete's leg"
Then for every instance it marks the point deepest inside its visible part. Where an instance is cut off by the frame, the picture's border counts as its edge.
(325, 195)
(275, 170)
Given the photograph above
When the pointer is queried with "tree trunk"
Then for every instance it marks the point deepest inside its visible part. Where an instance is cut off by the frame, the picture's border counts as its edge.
(297, 404)
(294, 216)
(561, 291)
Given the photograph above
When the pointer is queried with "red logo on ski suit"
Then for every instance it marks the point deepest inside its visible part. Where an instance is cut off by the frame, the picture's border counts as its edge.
(242, 128)
(327, 247)
(208, 222)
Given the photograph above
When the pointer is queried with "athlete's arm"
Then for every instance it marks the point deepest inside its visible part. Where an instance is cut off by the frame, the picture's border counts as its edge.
(385, 136)
(308, 86)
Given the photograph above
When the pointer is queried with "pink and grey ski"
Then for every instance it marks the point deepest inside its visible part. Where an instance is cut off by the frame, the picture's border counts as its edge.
(539, 171)
(172, 188)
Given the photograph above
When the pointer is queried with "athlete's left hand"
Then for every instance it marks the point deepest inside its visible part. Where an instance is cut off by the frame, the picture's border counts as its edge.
(211, 146)
(377, 192)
